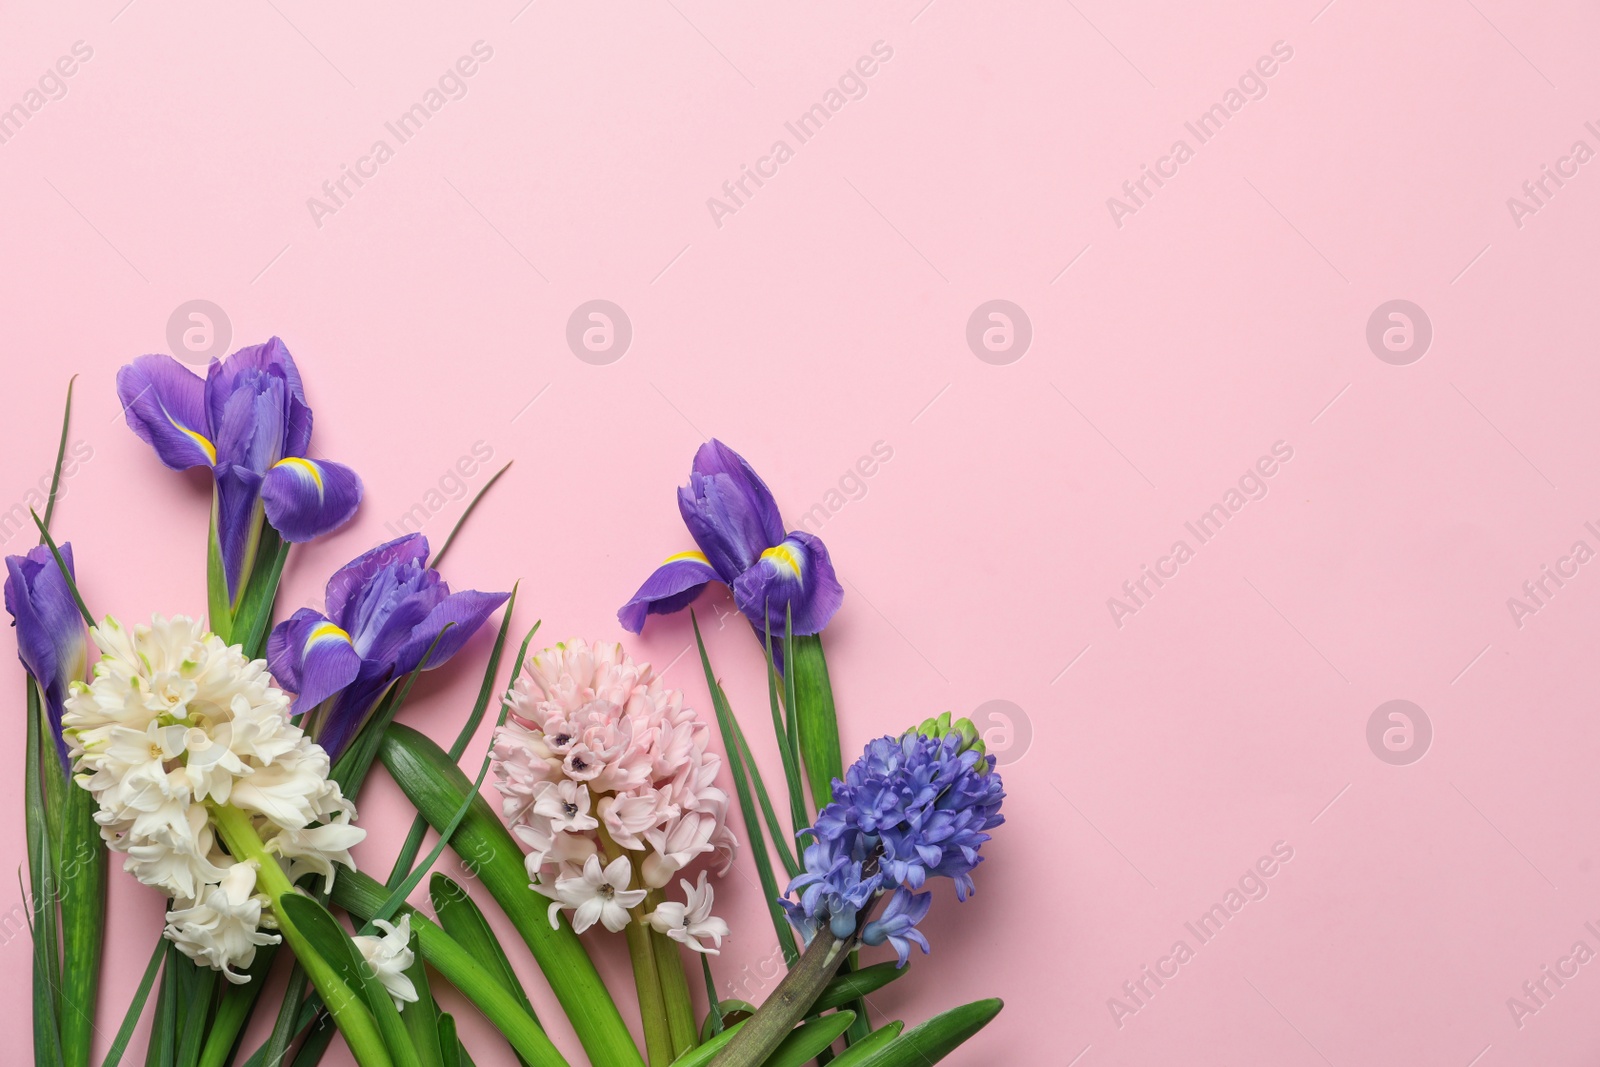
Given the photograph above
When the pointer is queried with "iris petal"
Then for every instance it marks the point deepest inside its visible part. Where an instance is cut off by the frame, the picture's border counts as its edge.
(50, 634)
(349, 583)
(796, 575)
(729, 510)
(670, 588)
(312, 658)
(238, 496)
(272, 359)
(352, 706)
(164, 403)
(463, 612)
(307, 498)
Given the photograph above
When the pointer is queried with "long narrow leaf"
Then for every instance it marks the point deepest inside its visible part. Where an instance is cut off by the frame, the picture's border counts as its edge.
(809, 1039)
(61, 454)
(198, 1000)
(233, 1011)
(40, 892)
(463, 920)
(419, 826)
(332, 944)
(361, 894)
(813, 707)
(747, 808)
(66, 572)
(421, 1018)
(927, 1044)
(868, 1046)
(759, 788)
(791, 758)
(436, 787)
(130, 1020)
(82, 882)
(255, 609)
(163, 1035)
(316, 1042)
(438, 557)
(853, 986)
(218, 610)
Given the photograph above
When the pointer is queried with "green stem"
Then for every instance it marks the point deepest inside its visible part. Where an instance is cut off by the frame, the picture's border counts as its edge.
(674, 983)
(788, 1004)
(355, 1021)
(652, 1005)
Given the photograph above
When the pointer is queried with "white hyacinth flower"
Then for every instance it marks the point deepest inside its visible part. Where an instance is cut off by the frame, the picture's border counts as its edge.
(687, 923)
(595, 895)
(222, 927)
(175, 722)
(390, 956)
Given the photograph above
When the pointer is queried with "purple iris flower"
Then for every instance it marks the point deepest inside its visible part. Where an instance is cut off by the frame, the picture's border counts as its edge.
(51, 640)
(732, 516)
(385, 608)
(247, 421)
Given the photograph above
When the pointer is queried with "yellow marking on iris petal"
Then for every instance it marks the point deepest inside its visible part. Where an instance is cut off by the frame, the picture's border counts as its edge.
(784, 555)
(324, 631)
(304, 466)
(698, 557)
(199, 439)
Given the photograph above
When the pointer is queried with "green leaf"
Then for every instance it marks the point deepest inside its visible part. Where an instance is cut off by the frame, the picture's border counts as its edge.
(812, 706)
(82, 881)
(361, 894)
(316, 1042)
(41, 889)
(351, 769)
(419, 825)
(197, 1000)
(449, 1043)
(927, 1044)
(421, 1019)
(810, 1038)
(163, 1036)
(844, 988)
(61, 454)
(219, 610)
(438, 557)
(758, 848)
(254, 616)
(464, 921)
(400, 891)
(781, 728)
(332, 944)
(130, 1019)
(866, 1047)
(436, 787)
(759, 788)
(714, 1022)
(290, 1020)
(705, 1053)
(233, 1011)
(66, 572)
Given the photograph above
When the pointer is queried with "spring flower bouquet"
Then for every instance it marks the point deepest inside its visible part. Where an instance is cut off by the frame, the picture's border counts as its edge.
(219, 757)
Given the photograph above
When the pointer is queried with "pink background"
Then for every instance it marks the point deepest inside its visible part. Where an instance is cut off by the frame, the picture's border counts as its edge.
(829, 313)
